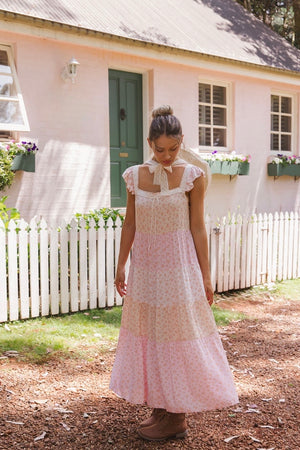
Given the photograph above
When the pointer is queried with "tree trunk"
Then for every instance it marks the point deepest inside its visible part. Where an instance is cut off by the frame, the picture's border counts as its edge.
(296, 7)
(247, 5)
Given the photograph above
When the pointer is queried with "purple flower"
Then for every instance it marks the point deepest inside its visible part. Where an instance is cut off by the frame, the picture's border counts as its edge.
(214, 152)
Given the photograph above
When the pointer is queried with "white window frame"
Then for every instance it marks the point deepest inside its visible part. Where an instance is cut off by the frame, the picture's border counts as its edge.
(228, 127)
(293, 97)
(9, 127)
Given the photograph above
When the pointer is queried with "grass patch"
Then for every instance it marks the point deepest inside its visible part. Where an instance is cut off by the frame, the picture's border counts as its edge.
(289, 289)
(72, 335)
(78, 335)
(225, 316)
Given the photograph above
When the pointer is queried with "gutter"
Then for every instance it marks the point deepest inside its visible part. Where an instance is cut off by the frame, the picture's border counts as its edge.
(72, 29)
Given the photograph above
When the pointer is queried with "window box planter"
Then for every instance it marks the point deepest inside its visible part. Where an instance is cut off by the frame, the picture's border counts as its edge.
(244, 168)
(24, 162)
(229, 167)
(277, 170)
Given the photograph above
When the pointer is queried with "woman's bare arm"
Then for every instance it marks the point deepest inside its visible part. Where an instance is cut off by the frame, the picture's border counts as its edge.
(127, 237)
(199, 233)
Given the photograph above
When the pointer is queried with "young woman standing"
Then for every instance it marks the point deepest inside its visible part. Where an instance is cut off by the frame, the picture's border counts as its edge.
(169, 353)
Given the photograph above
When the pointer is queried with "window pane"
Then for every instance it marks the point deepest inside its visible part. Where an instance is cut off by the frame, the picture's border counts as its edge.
(10, 113)
(219, 95)
(204, 93)
(274, 142)
(286, 142)
(219, 137)
(204, 115)
(286, 105)
(7, 86)
(4, 65)
(274, 103)
(219, 116)
(274, 122)
(286, 123)
(204, 136)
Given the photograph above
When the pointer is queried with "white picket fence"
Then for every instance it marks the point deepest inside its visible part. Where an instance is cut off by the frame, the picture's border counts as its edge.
(249, 251)
(50, 271)
(47, 271)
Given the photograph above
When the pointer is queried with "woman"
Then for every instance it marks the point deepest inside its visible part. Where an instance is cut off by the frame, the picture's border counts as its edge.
(169, 353)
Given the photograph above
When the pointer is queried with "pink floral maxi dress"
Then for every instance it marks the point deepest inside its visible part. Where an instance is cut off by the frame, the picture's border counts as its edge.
(169, 353)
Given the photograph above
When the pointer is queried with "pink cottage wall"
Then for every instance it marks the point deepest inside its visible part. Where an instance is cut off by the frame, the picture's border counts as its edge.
(70, 122)
(250, 123)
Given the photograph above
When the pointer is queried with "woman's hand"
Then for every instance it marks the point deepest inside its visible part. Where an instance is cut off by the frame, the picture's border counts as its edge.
(120, 281)
(209, 291)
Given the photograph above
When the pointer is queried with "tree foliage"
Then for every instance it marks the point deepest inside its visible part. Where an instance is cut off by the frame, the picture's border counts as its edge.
(282, 16)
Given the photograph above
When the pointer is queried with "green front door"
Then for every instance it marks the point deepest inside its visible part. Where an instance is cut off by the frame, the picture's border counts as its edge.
(126, 129)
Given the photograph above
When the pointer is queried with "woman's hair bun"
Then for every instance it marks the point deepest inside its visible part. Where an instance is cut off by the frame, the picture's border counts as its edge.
(164, 110)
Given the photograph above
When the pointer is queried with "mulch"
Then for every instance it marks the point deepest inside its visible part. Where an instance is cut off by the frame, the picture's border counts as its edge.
(67, 404)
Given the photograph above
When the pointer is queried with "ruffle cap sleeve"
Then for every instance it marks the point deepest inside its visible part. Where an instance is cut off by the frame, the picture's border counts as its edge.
(129, 180)
(193, 172)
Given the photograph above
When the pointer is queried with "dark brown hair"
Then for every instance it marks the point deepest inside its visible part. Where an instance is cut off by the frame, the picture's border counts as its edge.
(164, 122)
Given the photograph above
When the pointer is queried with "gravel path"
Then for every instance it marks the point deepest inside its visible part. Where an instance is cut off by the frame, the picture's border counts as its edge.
(67, 404)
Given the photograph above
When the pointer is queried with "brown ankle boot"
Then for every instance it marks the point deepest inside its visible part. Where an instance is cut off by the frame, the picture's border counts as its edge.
(156, 413)
(169, 425)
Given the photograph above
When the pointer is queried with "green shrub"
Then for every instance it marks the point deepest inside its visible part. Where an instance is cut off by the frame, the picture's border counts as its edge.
(6, 175)
(96, 214)
(6, 214)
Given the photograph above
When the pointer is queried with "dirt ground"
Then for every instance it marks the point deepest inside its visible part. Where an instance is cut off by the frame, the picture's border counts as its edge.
(67, 404)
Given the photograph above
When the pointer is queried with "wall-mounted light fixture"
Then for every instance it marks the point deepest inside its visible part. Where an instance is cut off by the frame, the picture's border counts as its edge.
(70, 70)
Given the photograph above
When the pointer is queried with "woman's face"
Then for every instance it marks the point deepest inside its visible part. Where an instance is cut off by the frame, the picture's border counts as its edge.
(165, 149)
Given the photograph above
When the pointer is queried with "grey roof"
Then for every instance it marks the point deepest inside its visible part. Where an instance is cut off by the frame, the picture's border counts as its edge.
(220, 28)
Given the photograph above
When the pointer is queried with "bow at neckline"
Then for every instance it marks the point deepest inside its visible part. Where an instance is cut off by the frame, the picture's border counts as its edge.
(160, 172)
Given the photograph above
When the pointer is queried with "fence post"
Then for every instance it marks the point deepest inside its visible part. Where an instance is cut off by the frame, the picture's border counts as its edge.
(92, 260)
(23, 270)
(238, 235)
(259, 248)
(286, 247)
(220, 277)
(54, 290)
(118, 230)
(232, 239)
(44, 268)
(3, 281)
(214, 236)
(280, 245)
(249, 256)
(74, 265)
(101, 264)
(243, 252)
(291, 245)
(275, 247)
(110, 262)
(64, 269)
(295, 245)
(264, 248)
(270, 248)
(226, 253)
(13, 272)
(34, 269)
(83, 265)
